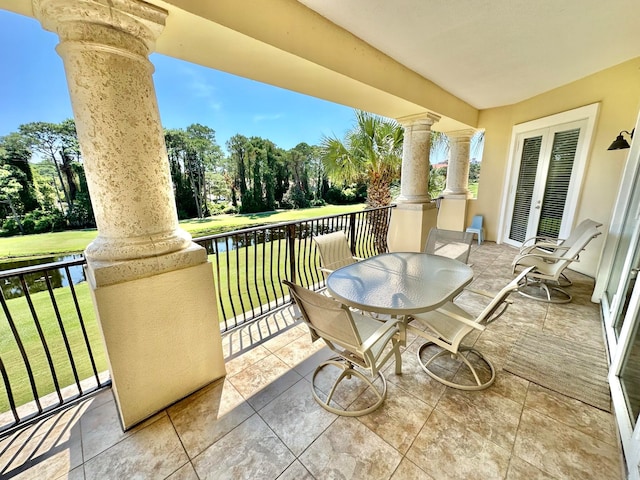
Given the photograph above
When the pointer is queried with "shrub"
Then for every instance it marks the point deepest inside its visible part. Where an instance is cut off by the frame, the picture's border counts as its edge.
(230, 210)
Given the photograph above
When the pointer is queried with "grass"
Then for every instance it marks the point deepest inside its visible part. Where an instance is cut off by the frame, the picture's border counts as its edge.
(26, 327)
(72, 241)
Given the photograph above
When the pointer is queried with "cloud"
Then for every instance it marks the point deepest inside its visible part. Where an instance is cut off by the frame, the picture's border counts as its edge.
(267, 118)
(201, 88)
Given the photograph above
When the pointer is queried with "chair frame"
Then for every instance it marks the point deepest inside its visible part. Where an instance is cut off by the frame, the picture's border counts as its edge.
(365, 352)
(544, 283)
(459, 324)
(449, 236)
(328, 246)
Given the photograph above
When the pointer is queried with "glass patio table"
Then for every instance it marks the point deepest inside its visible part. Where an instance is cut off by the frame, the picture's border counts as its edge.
(400, 283)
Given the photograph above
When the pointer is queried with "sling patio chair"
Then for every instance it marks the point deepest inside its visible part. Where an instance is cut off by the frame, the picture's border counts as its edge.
(543, 283)
(447, 327)
(358, 341)
(449, 243)
(334, 251)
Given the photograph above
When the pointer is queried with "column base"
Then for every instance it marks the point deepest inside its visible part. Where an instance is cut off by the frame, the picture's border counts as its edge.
(410, 225)
(162, 338)
(453, 213)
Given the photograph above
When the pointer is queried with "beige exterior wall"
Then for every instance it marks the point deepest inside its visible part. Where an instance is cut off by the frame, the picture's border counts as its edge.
(617, 89)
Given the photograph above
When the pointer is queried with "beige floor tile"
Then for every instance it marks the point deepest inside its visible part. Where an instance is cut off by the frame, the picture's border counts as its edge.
(246, 360)
(309, 364)
(151, 452)
(44, 456)
(283, 339)
(447, 449)
(250, 381)
(250, 451)
(348, 449)
(564, 451)
(298, 350)
(573, 413)
(296, 471)
(186, 472)
(521, 470)
(270, 391)
(485, 412)
(203, 418)
(407, 470)
(398, 420)
(415, 380)
(101, 429)
(296, 417)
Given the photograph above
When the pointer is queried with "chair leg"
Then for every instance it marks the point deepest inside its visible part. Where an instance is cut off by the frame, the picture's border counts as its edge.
(543, 292)
(480, 385)
(347, 372)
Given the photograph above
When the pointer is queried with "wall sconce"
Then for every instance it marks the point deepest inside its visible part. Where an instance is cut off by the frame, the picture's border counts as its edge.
(619, 143)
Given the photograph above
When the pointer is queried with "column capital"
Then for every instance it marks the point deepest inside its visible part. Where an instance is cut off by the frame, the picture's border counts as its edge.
(69, 19)
(466, 133)
(427, 119)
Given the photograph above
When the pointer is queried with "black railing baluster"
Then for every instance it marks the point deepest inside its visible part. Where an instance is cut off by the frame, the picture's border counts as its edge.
(63, 331)
(291, 246)
(83, 327)
(23, 353)
(7, 387)
(45, 345)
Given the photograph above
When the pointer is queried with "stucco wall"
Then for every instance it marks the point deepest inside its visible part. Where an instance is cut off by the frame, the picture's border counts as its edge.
(617, 89)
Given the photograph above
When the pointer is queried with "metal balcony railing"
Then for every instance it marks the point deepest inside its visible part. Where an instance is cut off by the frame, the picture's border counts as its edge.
(51, 351)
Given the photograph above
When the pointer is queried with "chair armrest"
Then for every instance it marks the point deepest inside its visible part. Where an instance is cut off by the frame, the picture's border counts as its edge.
(539, 238)
(358, 259)
(484, 293)
(385, 328)
(461, 319)
(542, 256)
(542, 245)
(325, 270)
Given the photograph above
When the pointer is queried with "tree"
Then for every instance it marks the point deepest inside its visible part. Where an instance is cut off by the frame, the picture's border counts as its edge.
(9, 190)
(51, 141)
(371, 151)
(15, 152)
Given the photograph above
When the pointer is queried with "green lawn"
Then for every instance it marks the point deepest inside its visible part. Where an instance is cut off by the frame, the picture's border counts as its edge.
(72, 241)
(26, 327)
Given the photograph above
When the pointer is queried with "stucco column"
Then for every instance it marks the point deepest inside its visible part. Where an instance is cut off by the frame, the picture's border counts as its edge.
(415, 214)
(152, 287)
(414, 183)
(458, 168)
(453, 207)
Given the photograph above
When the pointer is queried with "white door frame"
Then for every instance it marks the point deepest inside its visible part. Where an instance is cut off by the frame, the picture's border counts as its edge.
(588, 113)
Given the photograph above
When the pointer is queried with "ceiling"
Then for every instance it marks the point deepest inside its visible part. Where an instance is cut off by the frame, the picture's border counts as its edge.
(494, 52)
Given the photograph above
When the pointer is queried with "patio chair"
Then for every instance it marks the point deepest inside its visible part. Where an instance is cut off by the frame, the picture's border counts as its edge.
(357, 340)
(543, 283)
(334, 251)
(449, 243)
(476, 227)
(450, 324)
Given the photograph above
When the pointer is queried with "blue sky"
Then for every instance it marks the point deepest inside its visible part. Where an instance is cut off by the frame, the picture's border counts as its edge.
(33, 88)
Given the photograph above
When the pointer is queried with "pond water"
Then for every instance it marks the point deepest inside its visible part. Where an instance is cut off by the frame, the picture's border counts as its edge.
(36, 282)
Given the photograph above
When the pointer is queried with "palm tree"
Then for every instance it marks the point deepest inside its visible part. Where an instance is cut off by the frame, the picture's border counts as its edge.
(371, 152)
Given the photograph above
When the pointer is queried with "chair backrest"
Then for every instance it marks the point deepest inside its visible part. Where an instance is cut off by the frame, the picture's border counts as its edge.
(334, 250)
(449, 243)
(578, 232)
(476, 222)
(567, 256)
(326, 318)
(492, 311)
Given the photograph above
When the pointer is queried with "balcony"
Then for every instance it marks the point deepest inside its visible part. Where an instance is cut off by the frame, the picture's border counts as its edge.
(262, 422)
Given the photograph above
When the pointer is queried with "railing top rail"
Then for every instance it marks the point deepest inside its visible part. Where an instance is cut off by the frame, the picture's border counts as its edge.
(41, 267)
(284, 224)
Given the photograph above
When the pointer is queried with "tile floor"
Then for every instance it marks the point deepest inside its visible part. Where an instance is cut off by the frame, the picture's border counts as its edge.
(261, 421)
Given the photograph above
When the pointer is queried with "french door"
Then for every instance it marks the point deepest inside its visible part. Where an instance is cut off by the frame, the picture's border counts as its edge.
(620, 303)
(547, 167)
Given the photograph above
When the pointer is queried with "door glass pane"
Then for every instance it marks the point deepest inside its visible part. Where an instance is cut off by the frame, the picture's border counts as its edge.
(630, 376)
(631, 282)
(563, 153)
(524, 188)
